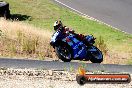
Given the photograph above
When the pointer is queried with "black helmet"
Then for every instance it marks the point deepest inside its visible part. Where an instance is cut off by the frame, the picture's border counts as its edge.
(57, 25)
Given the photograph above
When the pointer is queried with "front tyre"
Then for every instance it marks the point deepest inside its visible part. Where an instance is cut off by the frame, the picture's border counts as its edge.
(64, 53)
(96, 55)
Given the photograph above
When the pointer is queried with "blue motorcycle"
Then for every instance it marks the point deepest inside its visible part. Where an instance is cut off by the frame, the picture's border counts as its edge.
(68, 47)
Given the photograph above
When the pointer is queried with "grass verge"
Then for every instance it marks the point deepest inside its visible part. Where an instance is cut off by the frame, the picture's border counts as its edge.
(22, 40)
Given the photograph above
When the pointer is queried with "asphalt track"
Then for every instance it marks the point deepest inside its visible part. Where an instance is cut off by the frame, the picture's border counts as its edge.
(117, 13)
(56, 65)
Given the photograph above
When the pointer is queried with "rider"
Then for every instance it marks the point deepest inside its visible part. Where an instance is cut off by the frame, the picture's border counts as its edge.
(59, 26)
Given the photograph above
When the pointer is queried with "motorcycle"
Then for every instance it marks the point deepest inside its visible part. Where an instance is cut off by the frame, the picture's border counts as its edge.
(68, 47)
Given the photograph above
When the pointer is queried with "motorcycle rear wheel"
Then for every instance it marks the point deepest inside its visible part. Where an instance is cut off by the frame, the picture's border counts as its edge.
(64, 52)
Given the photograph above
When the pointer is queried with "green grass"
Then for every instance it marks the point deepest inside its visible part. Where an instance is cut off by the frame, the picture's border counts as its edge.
(129, 62)
(44, 12)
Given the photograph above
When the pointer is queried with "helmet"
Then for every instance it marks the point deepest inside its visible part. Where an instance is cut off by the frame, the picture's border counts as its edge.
(57, 25)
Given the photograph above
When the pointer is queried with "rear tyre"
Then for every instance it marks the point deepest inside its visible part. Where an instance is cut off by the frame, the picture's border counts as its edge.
(96, 56)
(7, 14)
(64, 52)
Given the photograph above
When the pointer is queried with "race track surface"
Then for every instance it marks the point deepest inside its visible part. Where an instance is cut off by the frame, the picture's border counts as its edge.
(56, 65)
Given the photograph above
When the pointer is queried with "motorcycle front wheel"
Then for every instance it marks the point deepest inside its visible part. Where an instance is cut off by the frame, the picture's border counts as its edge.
(63, 53)
(96, 55)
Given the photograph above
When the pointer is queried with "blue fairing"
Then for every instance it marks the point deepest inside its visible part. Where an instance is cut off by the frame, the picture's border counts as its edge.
(79, 49)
